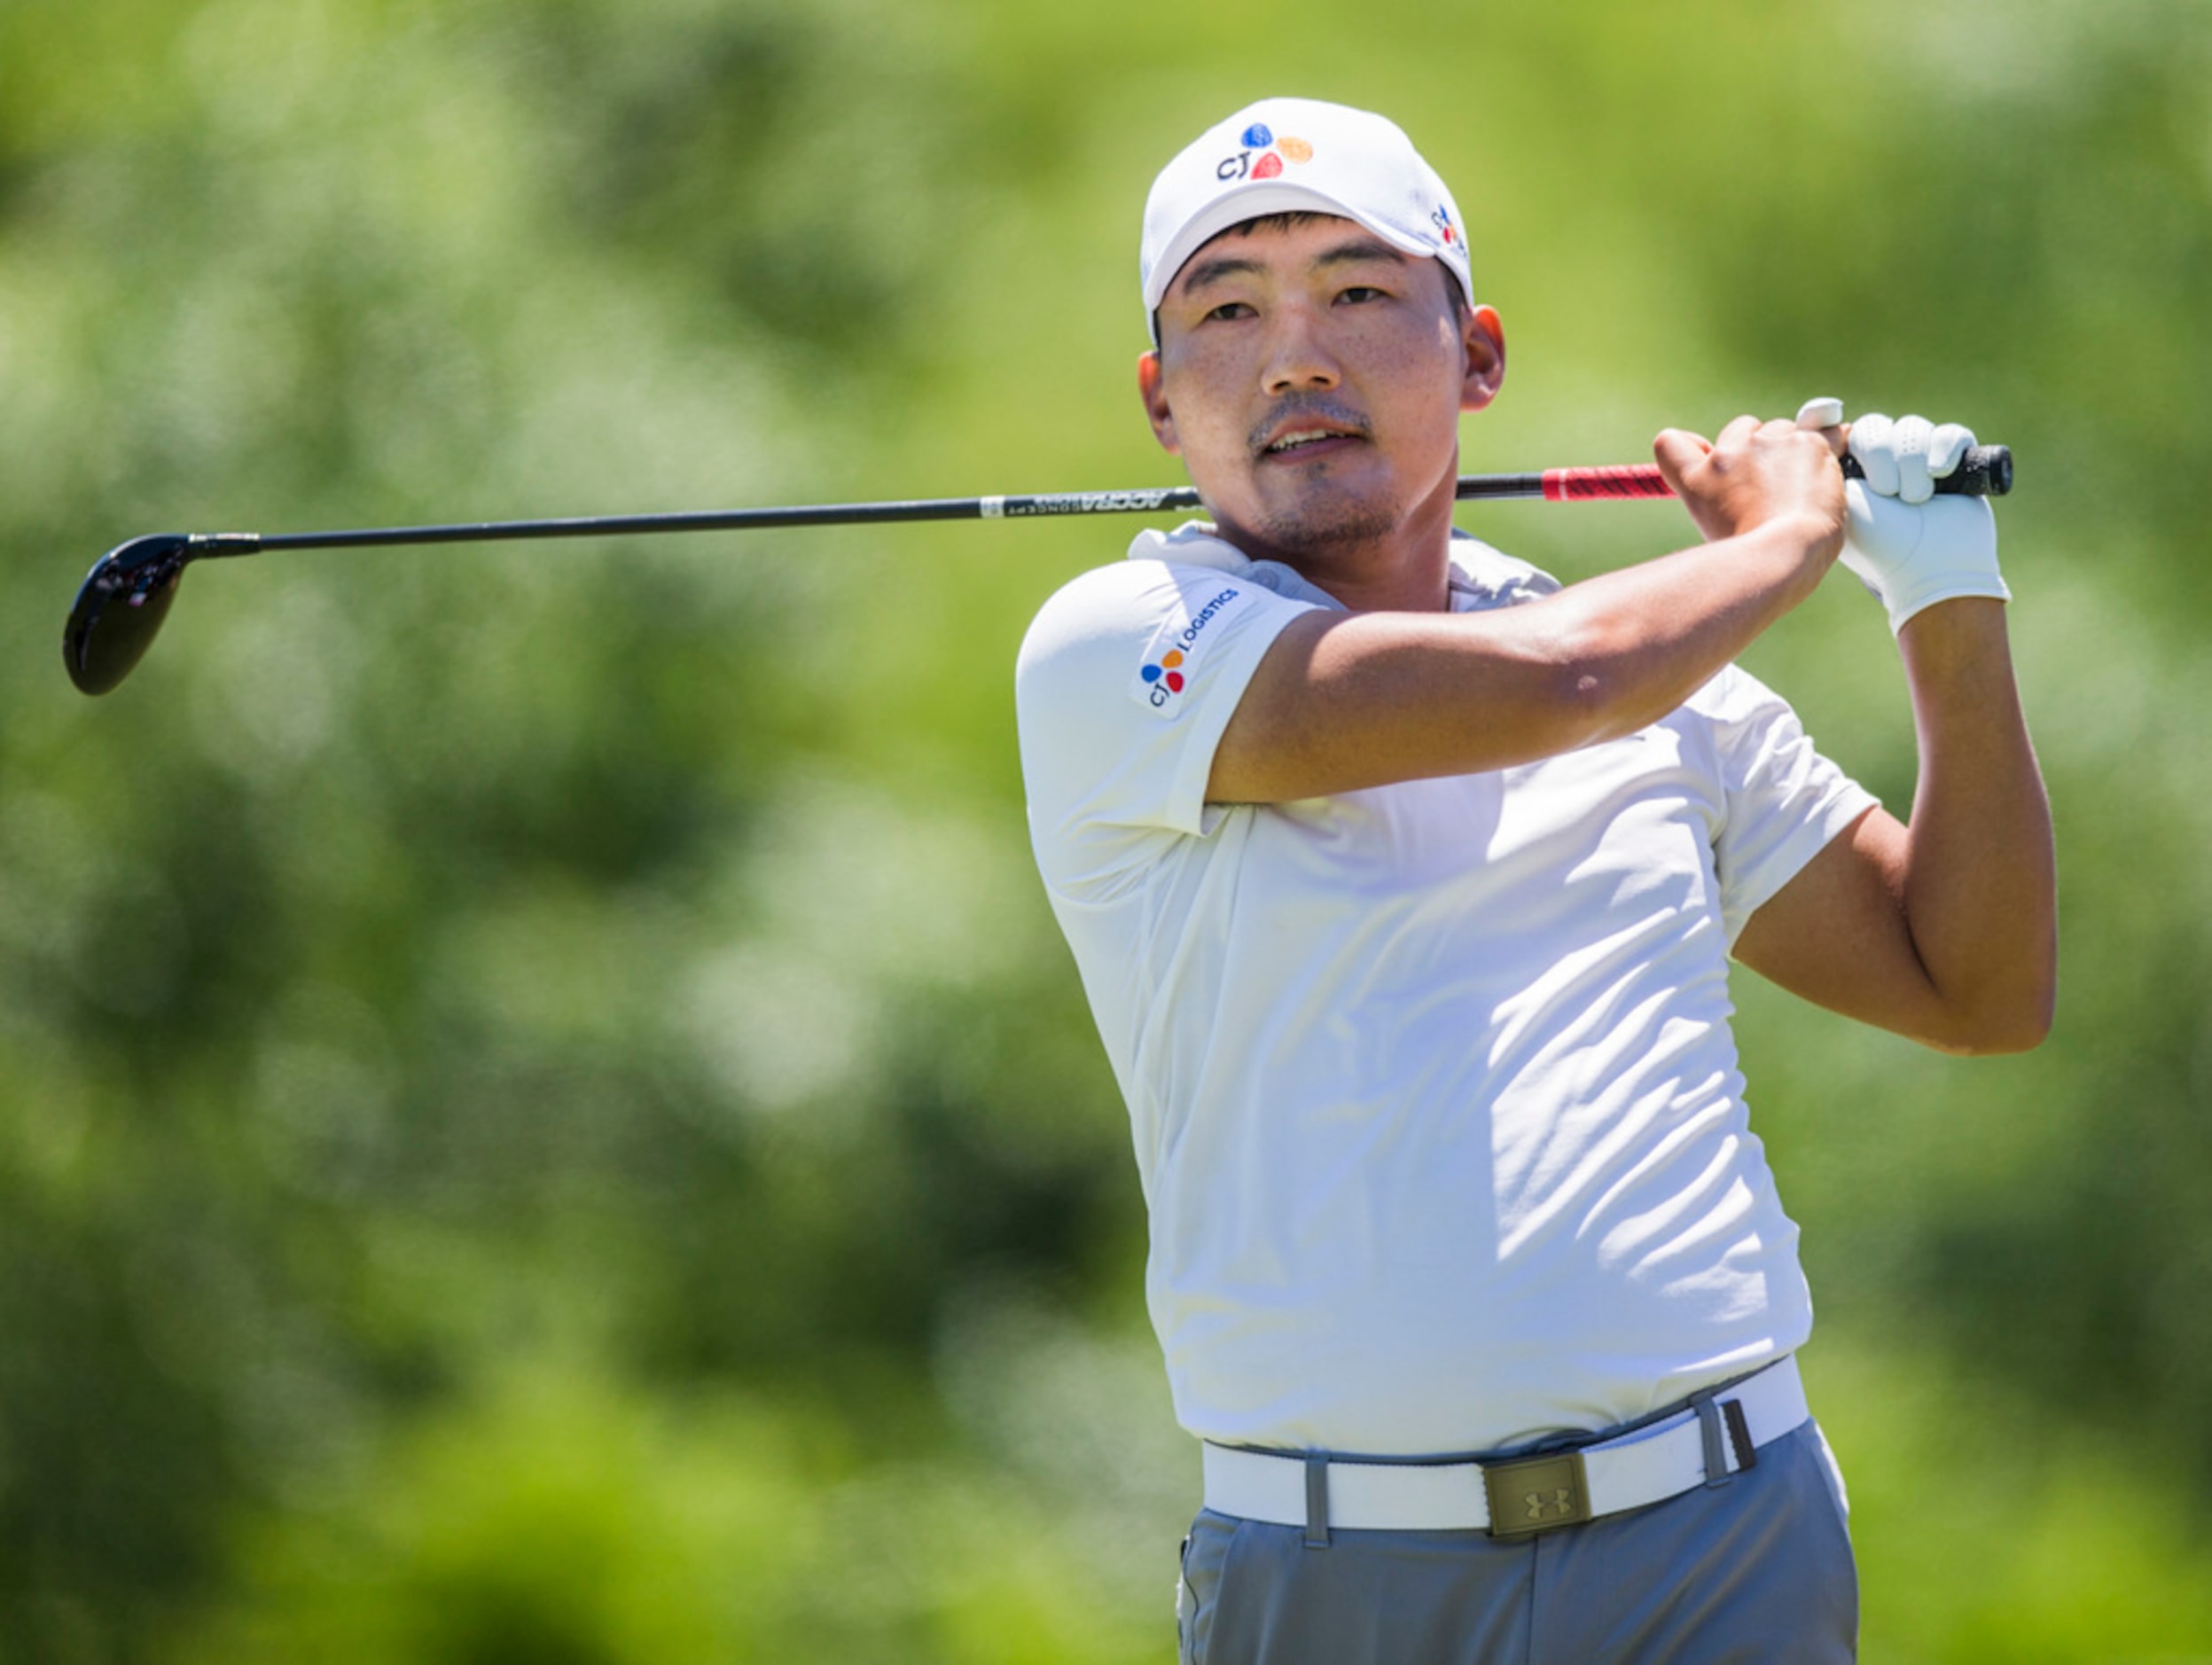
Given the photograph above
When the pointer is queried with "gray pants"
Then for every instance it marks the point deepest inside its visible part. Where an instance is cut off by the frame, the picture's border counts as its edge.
(1759, 1568)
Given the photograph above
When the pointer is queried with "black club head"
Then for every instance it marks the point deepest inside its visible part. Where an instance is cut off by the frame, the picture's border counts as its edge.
(119, 607)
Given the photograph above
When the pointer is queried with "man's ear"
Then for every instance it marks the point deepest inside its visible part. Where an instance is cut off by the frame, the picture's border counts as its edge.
(1149, 386)
(1484, 335)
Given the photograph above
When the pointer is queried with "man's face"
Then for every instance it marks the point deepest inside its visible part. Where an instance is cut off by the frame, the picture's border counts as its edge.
(1311, 378)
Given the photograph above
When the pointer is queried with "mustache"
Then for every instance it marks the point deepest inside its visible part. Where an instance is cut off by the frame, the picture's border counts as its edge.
(1317, 406)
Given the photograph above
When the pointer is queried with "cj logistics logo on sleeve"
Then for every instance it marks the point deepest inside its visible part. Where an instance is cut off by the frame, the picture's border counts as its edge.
(1171, 661)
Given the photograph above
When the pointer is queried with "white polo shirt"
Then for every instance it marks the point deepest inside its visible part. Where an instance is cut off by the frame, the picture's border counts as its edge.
(1435, 1105)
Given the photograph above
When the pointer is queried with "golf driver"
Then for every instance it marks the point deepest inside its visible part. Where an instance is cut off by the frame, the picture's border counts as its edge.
(123, 599)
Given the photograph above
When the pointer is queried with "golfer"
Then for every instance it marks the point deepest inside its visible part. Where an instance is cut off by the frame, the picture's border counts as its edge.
(1403, 883)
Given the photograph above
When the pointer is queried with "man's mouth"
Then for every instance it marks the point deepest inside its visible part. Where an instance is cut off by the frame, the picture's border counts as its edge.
(1304, 439)
(1317, 431)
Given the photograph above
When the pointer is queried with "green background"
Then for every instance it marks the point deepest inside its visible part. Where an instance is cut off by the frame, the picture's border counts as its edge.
(543, 1115)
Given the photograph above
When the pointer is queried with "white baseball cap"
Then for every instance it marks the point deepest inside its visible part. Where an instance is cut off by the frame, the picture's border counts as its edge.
(1298, 155)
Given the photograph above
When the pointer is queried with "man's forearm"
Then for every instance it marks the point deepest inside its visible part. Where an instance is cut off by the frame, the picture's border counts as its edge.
(1643, 639)
(1980, 878)
(1349, 702)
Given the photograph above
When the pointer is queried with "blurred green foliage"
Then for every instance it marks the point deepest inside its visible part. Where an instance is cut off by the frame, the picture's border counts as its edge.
(544, 1116)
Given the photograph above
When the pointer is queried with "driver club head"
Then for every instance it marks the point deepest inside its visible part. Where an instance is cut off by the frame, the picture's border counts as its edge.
(119, 607)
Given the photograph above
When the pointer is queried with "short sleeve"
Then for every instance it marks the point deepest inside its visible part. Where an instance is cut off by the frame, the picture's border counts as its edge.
(1785, 801)
(1125, 683)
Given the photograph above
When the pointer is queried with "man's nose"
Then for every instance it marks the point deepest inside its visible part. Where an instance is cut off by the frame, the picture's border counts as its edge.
(1297, 357)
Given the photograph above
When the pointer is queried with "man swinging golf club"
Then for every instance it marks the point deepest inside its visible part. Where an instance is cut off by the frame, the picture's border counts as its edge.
(1403, 882)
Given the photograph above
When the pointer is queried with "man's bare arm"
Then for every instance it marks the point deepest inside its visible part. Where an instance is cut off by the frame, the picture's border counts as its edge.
(1945, 930)
(1345, 701)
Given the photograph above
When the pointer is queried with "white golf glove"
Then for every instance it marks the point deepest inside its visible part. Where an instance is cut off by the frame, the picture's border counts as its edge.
(1911, 548)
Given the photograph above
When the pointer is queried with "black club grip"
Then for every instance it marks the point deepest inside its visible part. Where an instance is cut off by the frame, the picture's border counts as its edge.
(1985, 470)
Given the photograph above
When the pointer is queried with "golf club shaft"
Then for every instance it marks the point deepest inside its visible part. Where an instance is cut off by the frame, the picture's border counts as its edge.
(1986, 471)
(121, 603)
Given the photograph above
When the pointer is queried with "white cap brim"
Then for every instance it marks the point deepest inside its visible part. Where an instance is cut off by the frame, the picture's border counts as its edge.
(1252, 202)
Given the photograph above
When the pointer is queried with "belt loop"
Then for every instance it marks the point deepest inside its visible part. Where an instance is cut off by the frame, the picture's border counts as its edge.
(1317, 1500)
(1709, 1424)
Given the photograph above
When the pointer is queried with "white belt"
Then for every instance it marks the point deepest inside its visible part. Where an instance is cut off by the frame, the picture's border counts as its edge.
(1715, 1435)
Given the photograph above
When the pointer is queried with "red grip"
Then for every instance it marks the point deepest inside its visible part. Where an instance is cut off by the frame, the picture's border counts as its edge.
(1594, 484)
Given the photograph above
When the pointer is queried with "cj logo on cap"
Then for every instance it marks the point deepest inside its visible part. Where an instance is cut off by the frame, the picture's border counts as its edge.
(1440, 218)
(1271, 154)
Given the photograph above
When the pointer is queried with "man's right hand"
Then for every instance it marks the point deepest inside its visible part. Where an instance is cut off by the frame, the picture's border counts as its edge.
(1757, 472)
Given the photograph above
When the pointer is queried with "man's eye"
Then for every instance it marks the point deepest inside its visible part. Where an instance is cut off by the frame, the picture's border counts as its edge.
(1230, 309)
(1361, 292)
